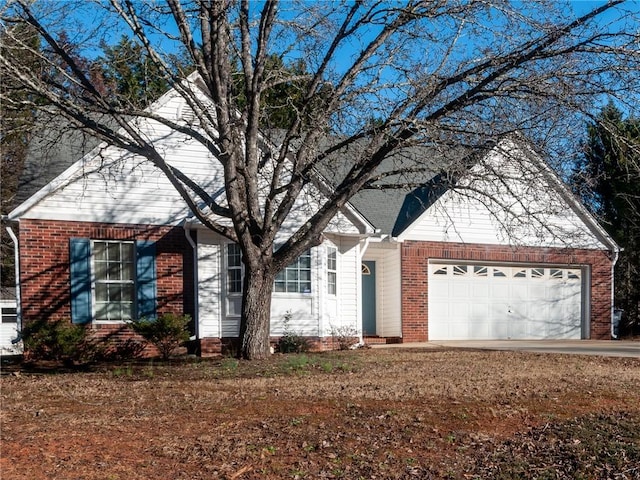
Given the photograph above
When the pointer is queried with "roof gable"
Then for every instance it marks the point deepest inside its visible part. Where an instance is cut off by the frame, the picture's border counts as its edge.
(509, 196)
(111, 185)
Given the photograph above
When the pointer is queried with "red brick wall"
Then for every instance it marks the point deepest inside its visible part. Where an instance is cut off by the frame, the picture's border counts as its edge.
(415, 284)
(44, 265)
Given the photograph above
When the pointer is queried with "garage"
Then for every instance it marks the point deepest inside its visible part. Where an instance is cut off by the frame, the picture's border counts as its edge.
(491, 302)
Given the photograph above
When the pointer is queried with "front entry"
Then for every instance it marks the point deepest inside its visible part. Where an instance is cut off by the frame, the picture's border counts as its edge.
(369, 297)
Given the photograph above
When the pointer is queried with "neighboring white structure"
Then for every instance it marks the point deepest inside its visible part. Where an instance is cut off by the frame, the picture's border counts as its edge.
(9, 344)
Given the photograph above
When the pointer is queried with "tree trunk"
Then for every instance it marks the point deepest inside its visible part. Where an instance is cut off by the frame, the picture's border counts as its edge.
(256, 314)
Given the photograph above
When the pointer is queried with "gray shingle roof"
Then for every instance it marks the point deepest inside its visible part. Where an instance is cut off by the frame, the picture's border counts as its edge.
(54, 147)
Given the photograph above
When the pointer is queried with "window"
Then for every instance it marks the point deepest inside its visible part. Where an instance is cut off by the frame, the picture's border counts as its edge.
(295, 278)
(459, 270)
(555, 273)
(332, 270)
(498, 273)
(114, 285)
(480, 271)
(234, 268)
(440, 271)
(537, 273)
(112, 280)
(9, 315)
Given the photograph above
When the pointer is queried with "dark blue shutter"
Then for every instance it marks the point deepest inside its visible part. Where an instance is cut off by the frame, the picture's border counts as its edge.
(80, 273)
(146, 278)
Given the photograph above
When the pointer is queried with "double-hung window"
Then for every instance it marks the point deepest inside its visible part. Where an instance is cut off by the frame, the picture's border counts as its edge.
(234, 268)
(332, 270)
(114, 280)
(296, 277)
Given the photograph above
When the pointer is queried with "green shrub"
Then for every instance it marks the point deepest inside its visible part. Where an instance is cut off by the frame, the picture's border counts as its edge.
(126, 350)
(167, 332)
(60, 340)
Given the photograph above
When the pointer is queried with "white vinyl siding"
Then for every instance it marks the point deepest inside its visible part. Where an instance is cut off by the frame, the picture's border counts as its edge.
(521, 205)
(388, 293)
(9, 328)
(209, 285)
(111, 185)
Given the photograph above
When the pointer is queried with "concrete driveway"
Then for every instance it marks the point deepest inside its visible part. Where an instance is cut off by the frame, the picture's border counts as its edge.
(605, 348)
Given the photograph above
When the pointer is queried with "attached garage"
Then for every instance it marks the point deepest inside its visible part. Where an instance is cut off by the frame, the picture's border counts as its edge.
(473, 301)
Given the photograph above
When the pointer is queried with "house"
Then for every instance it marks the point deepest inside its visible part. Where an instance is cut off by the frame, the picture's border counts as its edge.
(9, 344)
(495, 257)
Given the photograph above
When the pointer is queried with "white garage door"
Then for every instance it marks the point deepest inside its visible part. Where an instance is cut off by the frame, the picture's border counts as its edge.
(476, 302)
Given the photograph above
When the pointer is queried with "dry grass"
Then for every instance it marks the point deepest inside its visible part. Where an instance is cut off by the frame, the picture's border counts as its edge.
(364, 414)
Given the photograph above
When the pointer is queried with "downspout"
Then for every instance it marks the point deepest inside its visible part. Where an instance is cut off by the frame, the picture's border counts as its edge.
(196, 320)
(16, 254)
(616, 254)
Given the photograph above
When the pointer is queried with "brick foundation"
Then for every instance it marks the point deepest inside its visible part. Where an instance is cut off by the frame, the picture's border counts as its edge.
(415, 258)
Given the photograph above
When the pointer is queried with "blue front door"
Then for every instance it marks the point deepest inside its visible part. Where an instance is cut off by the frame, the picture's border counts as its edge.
(369, 298)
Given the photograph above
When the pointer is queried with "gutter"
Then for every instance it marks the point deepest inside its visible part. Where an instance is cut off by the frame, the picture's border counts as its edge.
(187, 233)
(16, 254)
(616, 255)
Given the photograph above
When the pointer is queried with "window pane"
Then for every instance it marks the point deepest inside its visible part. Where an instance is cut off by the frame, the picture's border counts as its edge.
(127, 271)
(101, 292)
(127, 293)
(305, 260)
(127, 311)
(100, 251)
(113, 311)
(113, 271)
(127, 252)
(113, 252)
(101, 311)
(115, 293)
(101, 271)
(332, 283)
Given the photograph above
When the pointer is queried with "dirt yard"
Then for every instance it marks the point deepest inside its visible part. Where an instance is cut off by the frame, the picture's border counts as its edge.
(368, 414)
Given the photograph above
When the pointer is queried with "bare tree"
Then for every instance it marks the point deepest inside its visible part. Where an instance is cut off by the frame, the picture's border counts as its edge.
(379, 78)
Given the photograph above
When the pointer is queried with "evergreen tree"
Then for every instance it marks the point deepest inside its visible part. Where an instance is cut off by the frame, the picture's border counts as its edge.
(608, 180)
(129, 75)
(16, 124)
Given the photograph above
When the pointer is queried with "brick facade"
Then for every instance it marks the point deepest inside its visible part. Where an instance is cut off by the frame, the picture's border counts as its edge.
(415, 258)
(44, 268)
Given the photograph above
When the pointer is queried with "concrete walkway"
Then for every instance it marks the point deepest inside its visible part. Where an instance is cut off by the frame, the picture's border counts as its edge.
(605, 348)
